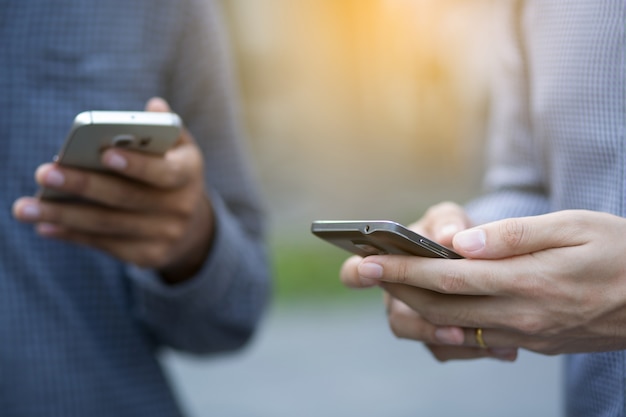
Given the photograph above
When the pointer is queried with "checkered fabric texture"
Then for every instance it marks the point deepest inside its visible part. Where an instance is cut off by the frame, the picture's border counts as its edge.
(557, 141)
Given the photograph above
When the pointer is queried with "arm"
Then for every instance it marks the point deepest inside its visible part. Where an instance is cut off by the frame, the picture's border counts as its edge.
(221, 306)
(516, 177)
(229, 293)
(188, 225)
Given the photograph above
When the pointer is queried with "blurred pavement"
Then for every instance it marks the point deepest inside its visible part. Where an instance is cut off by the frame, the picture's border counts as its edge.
(341, 360)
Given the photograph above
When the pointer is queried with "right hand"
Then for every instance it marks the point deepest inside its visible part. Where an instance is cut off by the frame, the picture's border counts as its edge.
(154, 214)
(440, 223)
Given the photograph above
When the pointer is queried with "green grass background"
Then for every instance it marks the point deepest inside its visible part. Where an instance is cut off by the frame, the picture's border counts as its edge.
(310, 271)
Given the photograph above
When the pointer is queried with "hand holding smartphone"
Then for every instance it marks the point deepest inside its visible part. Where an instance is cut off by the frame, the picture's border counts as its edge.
(94, 131)
(378, 237)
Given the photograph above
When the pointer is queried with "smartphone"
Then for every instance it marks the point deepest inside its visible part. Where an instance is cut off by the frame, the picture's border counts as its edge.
(94, 131)
(379, 237)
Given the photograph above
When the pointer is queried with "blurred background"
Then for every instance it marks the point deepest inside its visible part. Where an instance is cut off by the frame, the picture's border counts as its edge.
(357, 109)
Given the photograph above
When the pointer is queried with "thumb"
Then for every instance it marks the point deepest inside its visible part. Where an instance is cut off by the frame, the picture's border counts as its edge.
(517, 236)
(157, 104)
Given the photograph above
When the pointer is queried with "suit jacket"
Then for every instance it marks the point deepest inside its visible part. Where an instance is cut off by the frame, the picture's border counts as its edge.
(556, 141)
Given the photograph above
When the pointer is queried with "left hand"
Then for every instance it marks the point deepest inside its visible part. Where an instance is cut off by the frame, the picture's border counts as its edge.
(444, 343)
(154, 214)
(551, 284)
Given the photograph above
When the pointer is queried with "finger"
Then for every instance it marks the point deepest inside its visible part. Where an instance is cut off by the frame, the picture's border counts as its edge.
(97, 220)
(145, 253)
(498, 344)
(175, 168)
(442, 221)
(445, 310)
(524, 235)
(350, 277)
(406, 323)
(447, 353)
(27, 209)
(157, 104)
(445, 342)
(106, 189)
(160, 105)
(458, 276)
(172, 170)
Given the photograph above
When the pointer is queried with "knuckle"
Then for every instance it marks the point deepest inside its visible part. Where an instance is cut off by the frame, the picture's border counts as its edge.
(513, 232)
(395, 330)
(152, 256)
(173, 178)
(172, 231)
(181, 170)
(402, 273)
(77, 182)
(394, 319)
(530, 325)
(452, 281)
(186, 207)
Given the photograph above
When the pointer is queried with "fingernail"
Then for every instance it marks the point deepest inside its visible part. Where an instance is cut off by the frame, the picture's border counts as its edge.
(370, 273)
(54, 178)
(31, 211)
(115, 161)
(470, 240)
(449, 335)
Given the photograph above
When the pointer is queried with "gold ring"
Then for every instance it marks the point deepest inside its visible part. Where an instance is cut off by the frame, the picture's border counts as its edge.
(479, 338)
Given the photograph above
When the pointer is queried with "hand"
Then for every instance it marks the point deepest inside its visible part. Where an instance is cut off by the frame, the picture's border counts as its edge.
(154, 214)
(440, 223)
(406, 323)
(551, 284)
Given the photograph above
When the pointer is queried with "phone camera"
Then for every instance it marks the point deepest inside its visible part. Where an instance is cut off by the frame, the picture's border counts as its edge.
(145, 141)
(123, 141)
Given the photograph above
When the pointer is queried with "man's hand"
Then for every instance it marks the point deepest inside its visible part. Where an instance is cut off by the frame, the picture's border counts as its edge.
(155, 213)
(552, 284)
(440, 223)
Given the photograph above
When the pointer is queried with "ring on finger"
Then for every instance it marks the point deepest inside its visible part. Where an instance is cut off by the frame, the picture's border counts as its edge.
(478, 334)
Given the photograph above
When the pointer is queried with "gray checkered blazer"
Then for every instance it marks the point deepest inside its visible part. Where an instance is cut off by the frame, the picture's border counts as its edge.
(557, 141)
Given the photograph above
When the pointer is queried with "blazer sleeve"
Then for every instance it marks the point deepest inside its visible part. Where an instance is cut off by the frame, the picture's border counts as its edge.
(220, 307)
(515, 180)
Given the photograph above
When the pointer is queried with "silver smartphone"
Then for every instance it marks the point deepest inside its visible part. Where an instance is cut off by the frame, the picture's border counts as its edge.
(379, 237)
(94, 131)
